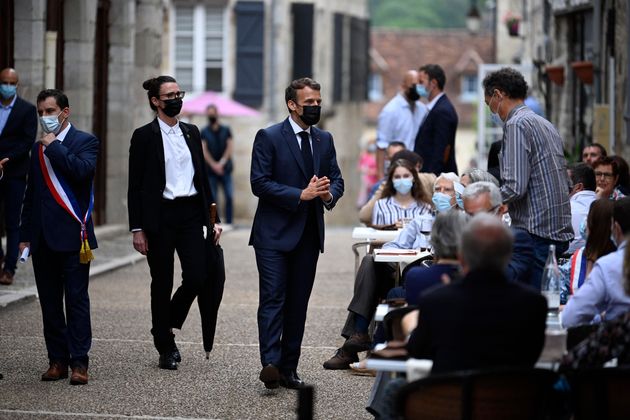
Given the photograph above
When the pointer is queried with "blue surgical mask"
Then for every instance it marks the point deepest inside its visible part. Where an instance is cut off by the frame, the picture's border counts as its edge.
(422, 91)
(7, 91)
(50, 123)
(583, 232)
(403, 185)
(442, 202)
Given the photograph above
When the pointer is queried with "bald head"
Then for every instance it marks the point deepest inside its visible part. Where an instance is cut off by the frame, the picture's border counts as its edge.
(8, 83)
(409, 79)
(486, 244)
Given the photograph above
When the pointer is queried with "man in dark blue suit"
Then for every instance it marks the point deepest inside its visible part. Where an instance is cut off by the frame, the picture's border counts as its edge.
(63, 161)
(435, 141)
(294, 174)
(18, 128)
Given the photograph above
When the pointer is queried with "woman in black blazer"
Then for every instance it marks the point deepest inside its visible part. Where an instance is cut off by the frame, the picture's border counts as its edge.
(168, 198)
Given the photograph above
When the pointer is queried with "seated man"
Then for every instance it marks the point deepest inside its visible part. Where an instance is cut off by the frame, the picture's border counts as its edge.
(485, 197)
(581, 197)
(602, 297)
(483, 320)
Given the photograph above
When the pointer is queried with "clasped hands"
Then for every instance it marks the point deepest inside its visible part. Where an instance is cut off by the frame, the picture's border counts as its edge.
(47, 138)
(317, 187)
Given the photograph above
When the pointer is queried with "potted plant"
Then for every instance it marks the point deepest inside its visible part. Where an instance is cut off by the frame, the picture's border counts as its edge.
(584, 71)
(555, 74)
(512, 22)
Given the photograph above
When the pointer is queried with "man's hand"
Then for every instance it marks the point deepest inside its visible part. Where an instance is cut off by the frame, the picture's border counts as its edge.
(140, 242)
(317, 187)
(217, 168)
(47, 139)
(22, 246)
(217, 233)
(2, 162)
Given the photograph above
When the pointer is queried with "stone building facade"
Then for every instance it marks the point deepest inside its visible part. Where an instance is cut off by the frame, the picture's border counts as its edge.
(100, 51)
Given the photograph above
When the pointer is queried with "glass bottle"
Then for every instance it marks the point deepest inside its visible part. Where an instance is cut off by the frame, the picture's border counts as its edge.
(551, 279)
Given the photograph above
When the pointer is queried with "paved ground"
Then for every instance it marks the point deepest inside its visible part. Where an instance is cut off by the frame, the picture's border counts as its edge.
(124, 379)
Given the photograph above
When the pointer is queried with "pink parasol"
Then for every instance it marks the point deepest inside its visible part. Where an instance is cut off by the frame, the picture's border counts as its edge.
(226, 106)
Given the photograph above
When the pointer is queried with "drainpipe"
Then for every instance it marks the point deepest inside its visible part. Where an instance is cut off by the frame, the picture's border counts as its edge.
(597, 53)
(627, 75)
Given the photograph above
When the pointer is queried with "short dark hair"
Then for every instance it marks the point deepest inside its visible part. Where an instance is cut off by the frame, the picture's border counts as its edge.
(506, 80)
(602, 149)
(607, 160)
(582, 173)
(60, 97)
(621, 214)
(397, 144)
(435, 72)
(290, 93)
(408, 155)
(152, 86)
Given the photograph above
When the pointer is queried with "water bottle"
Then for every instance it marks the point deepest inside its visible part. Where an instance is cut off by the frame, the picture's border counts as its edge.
(550, 285)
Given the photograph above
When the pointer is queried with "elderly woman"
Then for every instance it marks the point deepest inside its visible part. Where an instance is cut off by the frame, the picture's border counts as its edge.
(447, 191)
(445, 236)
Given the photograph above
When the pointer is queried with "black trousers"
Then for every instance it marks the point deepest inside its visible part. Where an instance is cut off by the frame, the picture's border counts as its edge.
(61, 277)
(181, 230)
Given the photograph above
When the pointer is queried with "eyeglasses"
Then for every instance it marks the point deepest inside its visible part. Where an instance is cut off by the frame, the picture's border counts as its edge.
(493, 211)
(599, 174)
(174, 95)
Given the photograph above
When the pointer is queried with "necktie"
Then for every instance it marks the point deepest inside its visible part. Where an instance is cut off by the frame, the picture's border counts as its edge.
(307, 155)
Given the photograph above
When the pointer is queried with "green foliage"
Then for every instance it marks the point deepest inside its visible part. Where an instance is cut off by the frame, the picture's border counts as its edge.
(419, 14)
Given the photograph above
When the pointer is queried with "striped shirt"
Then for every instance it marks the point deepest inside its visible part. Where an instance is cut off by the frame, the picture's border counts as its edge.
(534, 175)
(387, 211)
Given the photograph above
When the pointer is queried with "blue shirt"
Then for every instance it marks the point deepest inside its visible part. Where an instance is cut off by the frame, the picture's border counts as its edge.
(398, 122)
(5, 111)
(602, 293)
(411, 237)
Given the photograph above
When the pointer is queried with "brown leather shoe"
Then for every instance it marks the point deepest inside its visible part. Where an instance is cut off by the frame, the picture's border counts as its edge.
(79, 376)
(341, 360)
(6, 278)
(357, 343)
(56, 371)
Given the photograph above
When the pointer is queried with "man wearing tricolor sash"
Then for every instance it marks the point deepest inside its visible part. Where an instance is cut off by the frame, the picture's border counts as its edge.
(56, 227)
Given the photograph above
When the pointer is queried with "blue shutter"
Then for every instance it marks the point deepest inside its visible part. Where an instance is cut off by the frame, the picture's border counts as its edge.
(249, 52)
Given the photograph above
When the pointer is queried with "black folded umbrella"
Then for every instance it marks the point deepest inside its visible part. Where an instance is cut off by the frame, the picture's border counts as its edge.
(209, 298)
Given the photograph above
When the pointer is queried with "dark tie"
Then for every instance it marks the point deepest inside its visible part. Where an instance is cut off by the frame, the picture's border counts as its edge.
(306, 154)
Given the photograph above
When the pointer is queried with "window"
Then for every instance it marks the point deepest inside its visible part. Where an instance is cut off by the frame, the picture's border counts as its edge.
(469, 92)
(198, 47)
(375, 87)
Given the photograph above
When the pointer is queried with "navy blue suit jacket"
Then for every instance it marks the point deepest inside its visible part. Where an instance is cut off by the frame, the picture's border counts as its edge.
(17, 138)
(435, 141)
(278, 177)
(75, 160)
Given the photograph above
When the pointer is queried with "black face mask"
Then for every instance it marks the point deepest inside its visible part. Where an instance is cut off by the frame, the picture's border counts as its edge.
(412, 93)
(172, 107)
(212, 120)
(310, 114)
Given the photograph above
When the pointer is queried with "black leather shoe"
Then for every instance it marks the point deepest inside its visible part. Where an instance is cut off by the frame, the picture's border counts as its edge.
(270, 375)
(176, 354)
(290, 379)
(167, 361)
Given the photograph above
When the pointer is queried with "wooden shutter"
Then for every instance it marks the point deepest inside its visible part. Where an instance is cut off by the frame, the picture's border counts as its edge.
(359, 58)
(338, 58)
(302, 39)
(249, 52)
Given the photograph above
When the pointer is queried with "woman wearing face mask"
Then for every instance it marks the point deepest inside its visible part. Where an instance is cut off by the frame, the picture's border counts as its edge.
(403, 196)
(598, 244)
(447, 192)
(168, 201)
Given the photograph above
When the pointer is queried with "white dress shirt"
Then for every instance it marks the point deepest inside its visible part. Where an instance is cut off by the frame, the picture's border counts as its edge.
(580, 205)
(398, 122)
(178, 165)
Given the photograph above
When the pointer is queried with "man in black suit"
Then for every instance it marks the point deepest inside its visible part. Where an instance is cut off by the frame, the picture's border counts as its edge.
(18, 128)
(56, 226)
(435, 141)
(295, 175)
(169, 199)
(483, 320)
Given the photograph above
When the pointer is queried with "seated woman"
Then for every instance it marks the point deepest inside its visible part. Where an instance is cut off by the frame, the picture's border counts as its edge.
(598, 244)
(403, 196)
(607, 177)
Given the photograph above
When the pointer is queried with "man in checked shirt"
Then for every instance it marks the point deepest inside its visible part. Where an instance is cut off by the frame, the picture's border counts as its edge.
(532, 167)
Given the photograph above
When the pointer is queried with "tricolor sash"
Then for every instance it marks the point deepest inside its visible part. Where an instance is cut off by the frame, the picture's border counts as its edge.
(63, 195)
(578, 270)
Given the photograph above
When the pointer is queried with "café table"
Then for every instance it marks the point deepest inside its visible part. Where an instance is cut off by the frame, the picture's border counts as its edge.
(368, 237)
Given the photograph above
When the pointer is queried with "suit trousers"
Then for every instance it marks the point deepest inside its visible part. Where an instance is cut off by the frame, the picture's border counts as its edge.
(60, 276)
(285, 284)
(181, 230)
(12, 195)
